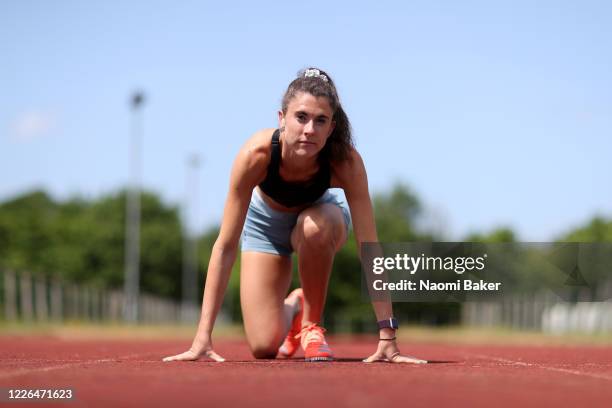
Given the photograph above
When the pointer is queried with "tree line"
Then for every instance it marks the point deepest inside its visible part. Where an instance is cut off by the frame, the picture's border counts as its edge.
(82, 240)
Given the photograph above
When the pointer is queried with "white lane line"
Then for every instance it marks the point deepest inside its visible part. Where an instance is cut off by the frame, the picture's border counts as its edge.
(68, 365)
(545, 367)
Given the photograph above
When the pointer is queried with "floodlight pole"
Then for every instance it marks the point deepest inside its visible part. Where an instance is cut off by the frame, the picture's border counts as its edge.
(190, 244)
(132, 219)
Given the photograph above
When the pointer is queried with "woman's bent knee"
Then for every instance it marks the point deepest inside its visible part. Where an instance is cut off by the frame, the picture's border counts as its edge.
(317, 232)
(264, 351)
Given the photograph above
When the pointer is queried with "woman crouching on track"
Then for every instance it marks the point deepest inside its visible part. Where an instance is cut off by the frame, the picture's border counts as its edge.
(279, 201)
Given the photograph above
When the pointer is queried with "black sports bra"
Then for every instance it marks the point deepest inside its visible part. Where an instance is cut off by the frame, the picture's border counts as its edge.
(292, 194)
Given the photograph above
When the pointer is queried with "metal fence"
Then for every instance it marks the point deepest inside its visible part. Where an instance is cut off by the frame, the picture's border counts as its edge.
(540, 312)
(28, 298)
(31, 298)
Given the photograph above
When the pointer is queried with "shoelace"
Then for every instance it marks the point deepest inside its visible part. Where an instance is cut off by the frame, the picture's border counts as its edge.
(311, 331)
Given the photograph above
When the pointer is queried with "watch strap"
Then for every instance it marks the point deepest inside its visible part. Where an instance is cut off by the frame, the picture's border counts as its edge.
(390, 323)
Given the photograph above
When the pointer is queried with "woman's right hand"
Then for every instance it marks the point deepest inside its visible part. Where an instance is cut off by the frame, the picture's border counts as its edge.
(198, 349)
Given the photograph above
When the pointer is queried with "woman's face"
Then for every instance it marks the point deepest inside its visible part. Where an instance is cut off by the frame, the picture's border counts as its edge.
(308, 124)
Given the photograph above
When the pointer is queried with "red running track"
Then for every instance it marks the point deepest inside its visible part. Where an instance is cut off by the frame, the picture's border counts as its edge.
(131, 373)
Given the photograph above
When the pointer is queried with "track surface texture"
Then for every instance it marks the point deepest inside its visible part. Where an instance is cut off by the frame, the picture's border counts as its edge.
(128, 373)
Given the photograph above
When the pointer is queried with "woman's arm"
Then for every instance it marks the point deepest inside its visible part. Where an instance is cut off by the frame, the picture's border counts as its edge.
(352, 177)
(248, 170)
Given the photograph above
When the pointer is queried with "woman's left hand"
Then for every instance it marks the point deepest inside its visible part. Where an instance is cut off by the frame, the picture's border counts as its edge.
(388, 351)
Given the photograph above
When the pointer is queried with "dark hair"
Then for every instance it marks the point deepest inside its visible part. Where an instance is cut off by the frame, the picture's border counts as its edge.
(312, 81)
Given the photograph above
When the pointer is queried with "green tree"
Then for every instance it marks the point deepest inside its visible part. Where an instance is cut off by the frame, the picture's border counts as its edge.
(25, 222)
(598, 229)
(498, 235)
(83, 241)
(395, 214)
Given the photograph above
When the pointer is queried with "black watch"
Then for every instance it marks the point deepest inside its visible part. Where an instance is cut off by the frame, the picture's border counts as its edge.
(390, 323)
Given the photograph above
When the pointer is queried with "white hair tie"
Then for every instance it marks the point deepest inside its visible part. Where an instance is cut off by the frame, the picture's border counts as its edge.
(313, 72)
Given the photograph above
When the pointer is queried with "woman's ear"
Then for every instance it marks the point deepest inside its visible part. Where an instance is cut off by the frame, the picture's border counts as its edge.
(281, 119)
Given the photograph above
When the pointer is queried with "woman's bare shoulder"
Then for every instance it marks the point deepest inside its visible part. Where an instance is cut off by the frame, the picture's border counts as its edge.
(257, 149)
(353, 162)
(251, 164)
(345, 171)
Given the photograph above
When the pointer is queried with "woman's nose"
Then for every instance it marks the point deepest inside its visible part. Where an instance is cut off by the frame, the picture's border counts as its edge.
(309, 127)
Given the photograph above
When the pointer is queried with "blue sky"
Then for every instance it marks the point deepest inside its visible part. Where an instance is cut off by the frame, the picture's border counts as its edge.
(494, 112)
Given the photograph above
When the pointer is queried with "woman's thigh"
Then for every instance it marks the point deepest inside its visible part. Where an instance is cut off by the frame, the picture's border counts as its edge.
(264, 282)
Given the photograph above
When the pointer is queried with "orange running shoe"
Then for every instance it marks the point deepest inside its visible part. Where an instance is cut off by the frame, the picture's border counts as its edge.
(291, 343)
(314, 344)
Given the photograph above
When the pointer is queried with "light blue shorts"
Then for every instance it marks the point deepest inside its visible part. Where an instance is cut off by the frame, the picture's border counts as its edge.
(268, 230)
